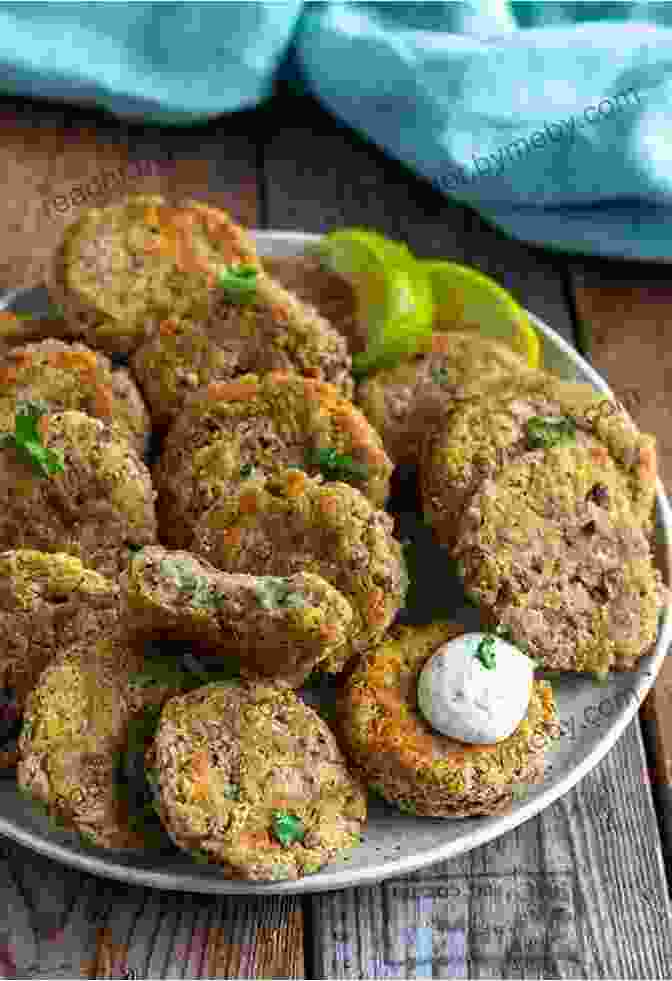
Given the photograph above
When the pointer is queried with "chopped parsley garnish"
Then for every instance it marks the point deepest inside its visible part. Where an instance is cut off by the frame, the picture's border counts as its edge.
(27, 440)
(337, 466)
(440, 376)
(545, 432)
(274, 592)
(182, 573)
(239, 283)
(486, 650)
(246, 471)
(287, 828)
(504, 631)
(134, 548)
(519, 791)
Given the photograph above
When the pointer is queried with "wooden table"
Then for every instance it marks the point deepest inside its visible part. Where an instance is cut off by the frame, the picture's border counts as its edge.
(579, 891)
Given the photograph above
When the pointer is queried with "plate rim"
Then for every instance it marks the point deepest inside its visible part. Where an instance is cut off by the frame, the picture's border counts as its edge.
(492, 828)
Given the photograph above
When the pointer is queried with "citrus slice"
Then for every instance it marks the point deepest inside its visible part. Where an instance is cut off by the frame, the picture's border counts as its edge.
(465, 299)
(393, 294)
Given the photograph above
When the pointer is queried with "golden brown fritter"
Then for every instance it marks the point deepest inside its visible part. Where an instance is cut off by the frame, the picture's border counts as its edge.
(76, 726)
(405, 402)
(101, 503)
(396, 751)
(485, 432)
(279, 627)
(252, 779)
(294, 523)
(72, 376)
(123, 269)
(234, 433)
(552, 550)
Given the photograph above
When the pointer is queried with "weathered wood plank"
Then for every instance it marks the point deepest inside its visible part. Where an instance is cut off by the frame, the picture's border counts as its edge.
(55, 162)
(61, 924)
(573, 893)
(319, 175)
(624, 312)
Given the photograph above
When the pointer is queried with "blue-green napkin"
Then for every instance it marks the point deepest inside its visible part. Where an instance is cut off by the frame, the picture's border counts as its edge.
(552, 119)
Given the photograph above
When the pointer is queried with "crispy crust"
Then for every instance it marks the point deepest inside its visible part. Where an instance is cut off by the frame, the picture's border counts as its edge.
(274, 332)
(269, 424)
(294, 523)
(411, 765)
(550, 549)
(280, 633)
(483, 433)
(406, 401)
(124, 268)
(100, 504)
(47, 601)
(72, 376)
(76, 724)
(229, 757)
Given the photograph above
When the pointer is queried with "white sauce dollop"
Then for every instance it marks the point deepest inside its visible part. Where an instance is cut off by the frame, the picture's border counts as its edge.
(463, 699)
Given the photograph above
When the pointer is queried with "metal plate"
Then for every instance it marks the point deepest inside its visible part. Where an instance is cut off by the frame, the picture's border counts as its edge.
(593, 716)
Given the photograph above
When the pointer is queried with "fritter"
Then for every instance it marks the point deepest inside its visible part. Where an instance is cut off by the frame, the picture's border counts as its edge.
(17, 330)
(552, 550)
(279, 627)
(75, 729)
(233, 434)
(292, 523)
(306, 277)
(101, 503)
(538, 411)
(273, 331)
(123, 269)
(252, 779)
(405, 402)
(396, 751)
(72, 376)
(47, 601)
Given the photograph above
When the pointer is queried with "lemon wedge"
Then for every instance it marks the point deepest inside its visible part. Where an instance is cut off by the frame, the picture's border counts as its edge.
(392, 292)
(465, 299)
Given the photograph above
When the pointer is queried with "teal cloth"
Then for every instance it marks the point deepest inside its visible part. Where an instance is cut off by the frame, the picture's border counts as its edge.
(551, 119)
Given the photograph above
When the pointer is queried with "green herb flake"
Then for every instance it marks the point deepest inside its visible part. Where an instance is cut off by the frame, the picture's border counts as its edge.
(246, 471)
(337, 466)
(519, 791)
(287, 828)
(183, 574)
(486, 650)
(275, 593)
(239, 283)
(27, 440)
(545, 432)
(407, 807)
(231, 791)
(441, 376)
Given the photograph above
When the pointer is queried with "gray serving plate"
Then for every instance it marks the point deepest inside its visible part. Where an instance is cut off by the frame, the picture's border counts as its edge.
(592, 715)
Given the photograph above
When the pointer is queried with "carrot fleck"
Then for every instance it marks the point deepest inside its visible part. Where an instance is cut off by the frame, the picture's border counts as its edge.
(235, 391)
(248, 504)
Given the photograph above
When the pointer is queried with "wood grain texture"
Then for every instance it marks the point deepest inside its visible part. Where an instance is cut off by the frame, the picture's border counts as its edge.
(55, 163)
(624, 312)
(319, 175)
(578, 892)
(58, 923)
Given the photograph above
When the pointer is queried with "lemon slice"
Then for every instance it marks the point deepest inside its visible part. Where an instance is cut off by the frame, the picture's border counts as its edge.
(465, 299)
(393, 293)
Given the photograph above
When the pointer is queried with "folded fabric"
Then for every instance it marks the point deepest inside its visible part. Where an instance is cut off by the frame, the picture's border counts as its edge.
(161, 62)
(552, 119)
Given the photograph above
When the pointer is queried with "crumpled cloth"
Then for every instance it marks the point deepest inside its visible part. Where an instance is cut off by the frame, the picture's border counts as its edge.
(551, 119)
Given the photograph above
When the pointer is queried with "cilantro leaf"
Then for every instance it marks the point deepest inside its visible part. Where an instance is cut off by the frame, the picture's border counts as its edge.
(545, 432)
(239, 283)
(441, 376)
(27, 440)
(485, 652)
(337, 466)
(184, 576)
(274, 592)
(287, 828)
